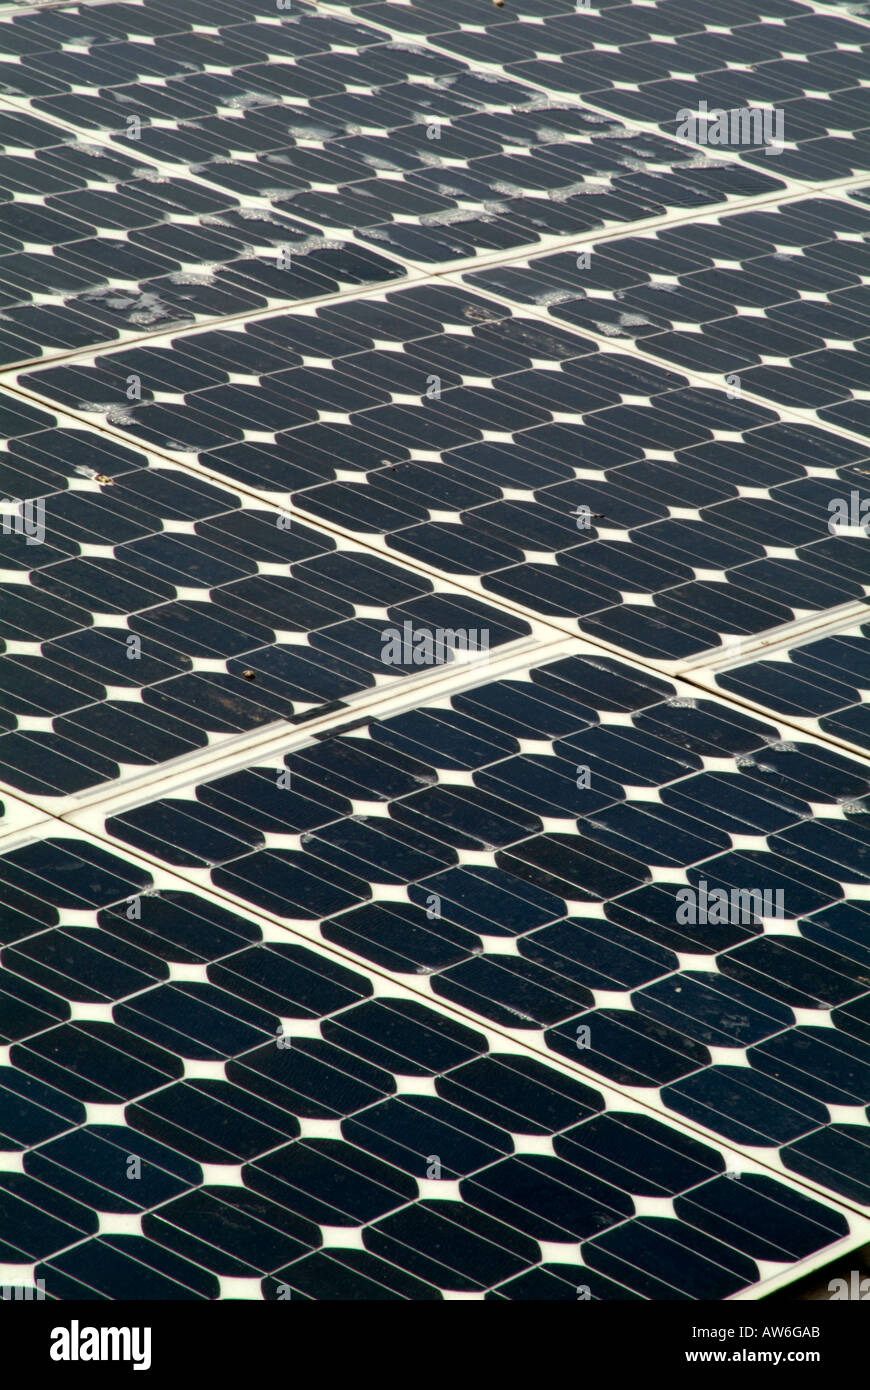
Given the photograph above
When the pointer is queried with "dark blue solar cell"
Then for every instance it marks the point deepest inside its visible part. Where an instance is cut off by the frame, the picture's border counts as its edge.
(410, 1130)
(835, 1155)
(487, 900)
(400, 937)
(179, 926)
(628, 1048)
(405, 1036)
(37, 1219)
(347, 1275)
(100, 1063)
(325, 1181)
(96, 1165)
(27, 1008)
(662, 1259)
(746, 1105)
(83, 964)
(289, 980)
(520, 1094)
(32, 1110)
(231, 1231)
(212, 1121)
(756, 1215)
(547, 1198)
(71, 874)
(638, 1154)
(452, 1245)
(292, 883)
(561, 1282)
(714, 1010)
(325, 1080)
(125, 1267)
(196, 1020)
(597, 954)
(799, 973)
(825, 1064)
(185, 834)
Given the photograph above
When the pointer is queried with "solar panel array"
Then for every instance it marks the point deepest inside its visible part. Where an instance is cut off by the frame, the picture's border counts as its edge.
(433, 767)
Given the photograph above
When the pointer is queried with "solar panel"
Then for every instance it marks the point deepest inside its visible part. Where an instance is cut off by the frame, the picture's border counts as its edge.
(298, 1128)
(561, 474)
(770, 299)
(433, 766)
(655, 886)
(817, 684)
(165, 613)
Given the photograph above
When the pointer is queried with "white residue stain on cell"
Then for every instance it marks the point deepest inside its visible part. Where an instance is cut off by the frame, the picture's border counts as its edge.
(149, 308)
(453, 215)
(307, 130)
(700, 161)
(547, 135)
(634, 320)
(582, 188)
(627, 161)
(214, 219)
(199, 169)
(120, 415)
(555, 297)
(115, 413)
(380, 161)
(507, 190)
(140, 308)
(405, 46)
(203, 275)
(243, 100)
(87, 147)
(315, 243)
